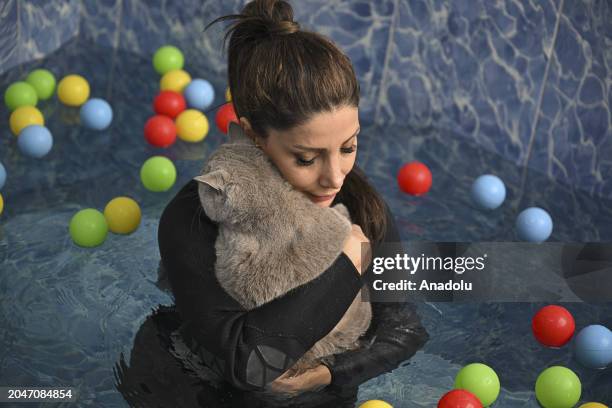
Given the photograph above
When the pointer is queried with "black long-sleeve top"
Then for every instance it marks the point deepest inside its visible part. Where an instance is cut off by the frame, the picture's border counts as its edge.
(250, 348)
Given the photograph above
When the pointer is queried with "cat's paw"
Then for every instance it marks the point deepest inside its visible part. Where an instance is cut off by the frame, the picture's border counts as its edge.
(341, 208)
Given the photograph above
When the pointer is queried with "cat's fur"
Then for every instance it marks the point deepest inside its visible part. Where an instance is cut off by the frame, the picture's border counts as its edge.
(272, 238)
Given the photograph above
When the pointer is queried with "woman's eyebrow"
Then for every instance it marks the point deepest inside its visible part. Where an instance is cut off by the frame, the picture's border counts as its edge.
(318, 149)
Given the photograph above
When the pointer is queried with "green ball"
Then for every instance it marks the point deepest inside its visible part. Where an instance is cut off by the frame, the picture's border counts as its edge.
(20, 94)
(158, 174)
(558, 387)
(480, 380)
(43, 82)
(88, 228)
(167, 58)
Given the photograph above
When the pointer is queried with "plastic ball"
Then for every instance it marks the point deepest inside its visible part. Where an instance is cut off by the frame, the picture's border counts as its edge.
(481, 380)
(88, 228)
(553, 326)
(414, 178)
(96, 114)
(122, 215)
(158, 174)
(167, 58)
(43, 82)
(558, 387)
(225, 115)
(2, 176)
(488, 191)
(228, 95)
(459, 399)
(376, 404)
(175, 81)
(199, 94)
(191, 125)
(73, 90)
(169, 103)
(35, 141)
(534, 225)
(20, 94)
(593, 346)
(1, 204)
(593, 405)
(160, 131)
(23, 117)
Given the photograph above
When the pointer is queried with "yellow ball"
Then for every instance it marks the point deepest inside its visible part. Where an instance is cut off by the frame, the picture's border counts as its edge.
(175, 80)
(593, 405)
(228, 95)
(122, 215)
(1, 204)
(191, 125)
(25, 116)
(375, 404)
(73, 90)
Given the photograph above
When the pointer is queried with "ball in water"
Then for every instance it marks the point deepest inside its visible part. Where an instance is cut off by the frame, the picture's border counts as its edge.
(96, 114)
(23, 117)
(480, 380)
(35, 141)
(191, 125)
(459, 399)
(225, 115)
(199, 94)
(2, 176)
(228, 95)
(558, 387)
(167, 58)
(122, 215)
(593, 346)
(160, 131)
(175, 81)
(593, 405)
(414, 178)
(88, 228)
(1, 204)
(553, 326)
(20, 94)
(376, 404)
(534, 225)
(488, 191)
(73, 90)
(169, 103)
(43, 82)
(158, 174)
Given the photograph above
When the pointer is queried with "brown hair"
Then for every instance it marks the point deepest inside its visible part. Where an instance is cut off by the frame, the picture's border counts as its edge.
(280, 76)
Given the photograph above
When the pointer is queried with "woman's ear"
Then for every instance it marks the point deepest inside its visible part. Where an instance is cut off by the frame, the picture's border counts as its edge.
(248, 130)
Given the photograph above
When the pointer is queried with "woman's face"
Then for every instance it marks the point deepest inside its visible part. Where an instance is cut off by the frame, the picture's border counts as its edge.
(315, 157)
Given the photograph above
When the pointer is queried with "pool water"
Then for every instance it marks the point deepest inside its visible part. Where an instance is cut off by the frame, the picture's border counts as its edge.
(67, 313)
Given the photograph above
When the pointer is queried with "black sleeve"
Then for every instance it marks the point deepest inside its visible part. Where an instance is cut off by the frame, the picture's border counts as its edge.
(395, 334)
(254, 347)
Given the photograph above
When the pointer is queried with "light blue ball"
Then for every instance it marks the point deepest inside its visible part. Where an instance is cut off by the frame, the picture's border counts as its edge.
(35, 141)
(534, 225)
(199, 94)
(593, 346)
(488, 191)
(2, 176)
(96, 114)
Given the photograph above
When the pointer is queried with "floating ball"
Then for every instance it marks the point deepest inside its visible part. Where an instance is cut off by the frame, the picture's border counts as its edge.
(376, 404)
(2, 176)
(558, 387)
(35, 141)
(73, 90)
(593, 346)
(534, 225)
(488, 191)
(20, 94)
(228, 95)
(43, 82)
(23, 117)
(169, 103)
(459, 399)
(1, 204)
(122, 215)
(160, 131)
(414, 178)
(96, 114)
(175, 81)
(88, 228)
(199, 94)
(167, 58)
(225, 115)
(158, 174)
(192, 125)
(480, 380)
(593, 405)
(553, 326)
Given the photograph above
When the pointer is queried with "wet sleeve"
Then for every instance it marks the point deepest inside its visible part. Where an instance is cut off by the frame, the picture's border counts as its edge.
(250, 348)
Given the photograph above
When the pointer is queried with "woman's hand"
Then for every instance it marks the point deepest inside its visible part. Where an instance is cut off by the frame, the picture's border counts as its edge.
(310, 380)
(353, 249)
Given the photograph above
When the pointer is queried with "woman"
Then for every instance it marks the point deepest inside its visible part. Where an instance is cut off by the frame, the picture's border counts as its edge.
(296, 95)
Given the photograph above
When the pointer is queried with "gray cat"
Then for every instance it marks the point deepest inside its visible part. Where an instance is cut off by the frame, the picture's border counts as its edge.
(272, 238)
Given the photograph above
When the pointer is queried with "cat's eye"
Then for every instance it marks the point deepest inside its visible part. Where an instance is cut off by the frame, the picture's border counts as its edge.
(345, 150)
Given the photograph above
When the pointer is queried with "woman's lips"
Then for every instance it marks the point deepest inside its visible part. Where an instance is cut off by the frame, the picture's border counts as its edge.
(318, 199)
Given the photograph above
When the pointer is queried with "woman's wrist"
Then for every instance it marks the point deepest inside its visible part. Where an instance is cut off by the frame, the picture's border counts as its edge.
(324, 374)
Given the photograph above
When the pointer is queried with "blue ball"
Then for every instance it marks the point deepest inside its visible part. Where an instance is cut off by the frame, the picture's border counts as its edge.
(35, 141)
(96, 114)
(488, 191)
(593, 346)
(2, 176)
(534, 225)
(199, 94)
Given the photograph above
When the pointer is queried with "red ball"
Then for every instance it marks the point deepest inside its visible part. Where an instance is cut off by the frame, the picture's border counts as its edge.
(225, 115)
(169, 103)
(553, 326)
(414, 178)
(459, 399)
(160, 131)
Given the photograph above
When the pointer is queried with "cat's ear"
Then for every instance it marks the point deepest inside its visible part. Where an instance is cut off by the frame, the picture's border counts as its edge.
(215, 179)
(236, 134)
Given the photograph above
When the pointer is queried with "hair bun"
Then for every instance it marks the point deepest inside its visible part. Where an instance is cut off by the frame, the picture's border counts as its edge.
(276, 16)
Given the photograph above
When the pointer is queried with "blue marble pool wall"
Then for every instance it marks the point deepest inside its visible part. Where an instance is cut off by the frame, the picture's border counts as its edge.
(528, 80)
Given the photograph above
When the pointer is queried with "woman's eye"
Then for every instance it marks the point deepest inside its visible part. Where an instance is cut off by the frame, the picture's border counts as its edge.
(349, 150)
(302, 162)
(344, 150)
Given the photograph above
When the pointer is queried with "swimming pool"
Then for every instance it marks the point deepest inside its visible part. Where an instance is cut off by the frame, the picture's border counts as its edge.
(66, 313)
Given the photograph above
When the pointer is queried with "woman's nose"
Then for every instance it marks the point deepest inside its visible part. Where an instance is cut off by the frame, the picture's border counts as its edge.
(332, 176)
